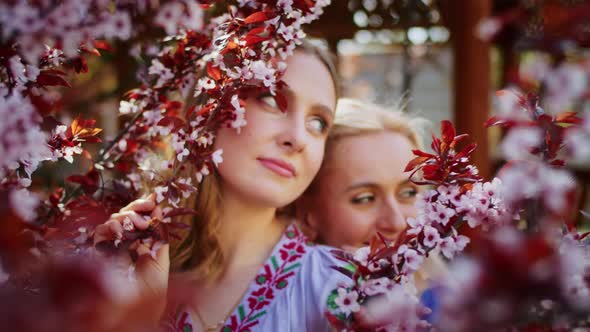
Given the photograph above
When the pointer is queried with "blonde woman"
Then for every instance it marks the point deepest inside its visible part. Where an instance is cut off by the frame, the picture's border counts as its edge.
(361, 188)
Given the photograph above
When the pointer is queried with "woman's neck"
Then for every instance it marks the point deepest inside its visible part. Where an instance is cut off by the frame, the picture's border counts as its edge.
(247, 232)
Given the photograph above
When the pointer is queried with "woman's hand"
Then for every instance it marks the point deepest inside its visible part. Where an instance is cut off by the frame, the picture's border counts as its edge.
(152, 264)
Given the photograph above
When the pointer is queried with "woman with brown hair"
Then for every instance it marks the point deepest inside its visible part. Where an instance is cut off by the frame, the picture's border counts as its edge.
(247, 267)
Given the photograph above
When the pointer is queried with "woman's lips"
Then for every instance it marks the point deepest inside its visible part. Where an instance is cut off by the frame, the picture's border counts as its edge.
(278, 166)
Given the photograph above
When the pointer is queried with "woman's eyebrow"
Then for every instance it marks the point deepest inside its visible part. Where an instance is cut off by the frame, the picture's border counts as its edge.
(322, 108)
(404, 182)
(361, 185)
(325, 110)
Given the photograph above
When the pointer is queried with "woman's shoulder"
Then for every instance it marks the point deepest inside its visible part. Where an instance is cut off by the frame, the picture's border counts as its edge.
(323, 258)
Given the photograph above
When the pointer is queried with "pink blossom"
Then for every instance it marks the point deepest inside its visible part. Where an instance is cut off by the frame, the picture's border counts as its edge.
(24, 204)
(520, 141)
(21, 140)
(168, 17)
(413, 260)
(488, 28)
(204, 84)
(362, 255)
(375, 286)
(535, 66)
(160, 191)
(431, 236)
(576, 139)
(441, 214)
(564, 86)
(575, 272)
(128, 107)
(347, 301)
(398, 310)
(116, 25)
(452, 244)
(161, 72)
(508, 105)
(263, 72)
(416, 224)
(202, 173)
(216, 157)
(173, 17)
(240, 111)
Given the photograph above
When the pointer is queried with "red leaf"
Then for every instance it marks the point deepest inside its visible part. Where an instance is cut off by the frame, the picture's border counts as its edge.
(558, 162)
(447, 131)
(54, 72)
(51, 80)
(253, 40)
(466, 152)
(168, 120)
(89, 182)
(213, 72)
(422, 154)
(80, 65)
(457, 139)
(189, 111)
(568, 117)
(415, 162)
(256, 18)
(494, 121)
(102, 45)
(281, 101)
(204, 110)
(56, 196)
(256, 31)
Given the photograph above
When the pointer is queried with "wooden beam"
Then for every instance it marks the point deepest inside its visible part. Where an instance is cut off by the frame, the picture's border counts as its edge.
(471, 75)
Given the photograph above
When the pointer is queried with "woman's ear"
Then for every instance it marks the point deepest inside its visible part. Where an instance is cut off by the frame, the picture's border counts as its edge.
(306, 219)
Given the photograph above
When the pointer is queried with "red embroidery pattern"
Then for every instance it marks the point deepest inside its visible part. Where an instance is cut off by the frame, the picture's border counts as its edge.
(273, 279)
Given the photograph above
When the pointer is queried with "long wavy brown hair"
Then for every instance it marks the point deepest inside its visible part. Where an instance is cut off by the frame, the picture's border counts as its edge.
(198, 252)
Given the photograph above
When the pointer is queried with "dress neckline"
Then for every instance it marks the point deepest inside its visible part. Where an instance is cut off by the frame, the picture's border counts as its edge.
(272, 278)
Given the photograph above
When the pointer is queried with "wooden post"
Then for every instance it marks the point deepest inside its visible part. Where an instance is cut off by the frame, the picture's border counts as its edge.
(471, 74)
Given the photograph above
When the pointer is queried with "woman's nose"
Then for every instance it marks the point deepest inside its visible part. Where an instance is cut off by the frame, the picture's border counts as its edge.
(391, 220)
(293, 135)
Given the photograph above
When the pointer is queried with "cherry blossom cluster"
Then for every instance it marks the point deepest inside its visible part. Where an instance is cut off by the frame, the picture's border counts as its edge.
(520, 281)
(42, 41)
(539, 277)
(39, 41)
(534, 142)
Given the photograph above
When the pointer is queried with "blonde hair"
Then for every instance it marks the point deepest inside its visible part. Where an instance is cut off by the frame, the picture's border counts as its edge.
(355, 117)
(199, 252)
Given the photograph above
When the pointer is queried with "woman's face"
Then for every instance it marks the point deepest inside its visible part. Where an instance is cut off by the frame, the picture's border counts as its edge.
(362, 190)
(276, 155)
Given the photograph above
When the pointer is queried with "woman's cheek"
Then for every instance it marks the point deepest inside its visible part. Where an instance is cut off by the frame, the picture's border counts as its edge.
(409, 211)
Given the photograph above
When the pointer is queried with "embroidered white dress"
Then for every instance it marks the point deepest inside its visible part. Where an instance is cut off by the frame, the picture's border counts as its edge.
(290, 291)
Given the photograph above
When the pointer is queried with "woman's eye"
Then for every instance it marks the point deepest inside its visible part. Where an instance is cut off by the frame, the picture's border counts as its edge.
(408, 193)
(363, 198)
(318, 124)
(269, 101)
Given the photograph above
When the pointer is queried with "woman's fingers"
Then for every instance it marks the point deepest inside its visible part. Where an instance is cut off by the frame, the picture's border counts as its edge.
(112, 229)
(130, 219)
(141, 205)
(158, 213)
